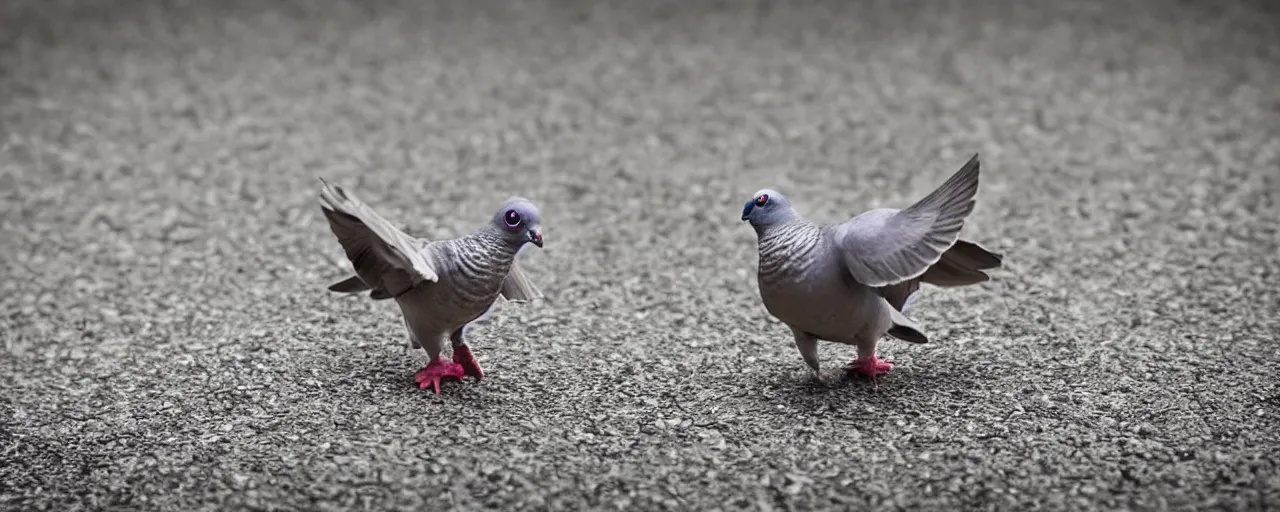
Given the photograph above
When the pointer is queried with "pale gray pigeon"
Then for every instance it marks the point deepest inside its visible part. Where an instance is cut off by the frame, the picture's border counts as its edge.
(442, 285)
(849, 282)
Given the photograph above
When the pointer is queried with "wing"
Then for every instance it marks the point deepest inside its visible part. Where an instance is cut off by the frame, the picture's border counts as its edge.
(386, 259)
(518, 287)
(882, 247)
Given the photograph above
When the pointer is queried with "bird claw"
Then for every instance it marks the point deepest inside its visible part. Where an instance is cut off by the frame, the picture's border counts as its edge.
(436, 370)
(870, 366)
(462, 355)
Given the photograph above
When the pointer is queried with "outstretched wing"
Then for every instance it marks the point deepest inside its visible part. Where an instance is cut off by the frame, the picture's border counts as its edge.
(885, 246)
(386, 259)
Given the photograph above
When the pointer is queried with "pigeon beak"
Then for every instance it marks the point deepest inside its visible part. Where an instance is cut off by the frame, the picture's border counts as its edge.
(535, 236)
(746, 210)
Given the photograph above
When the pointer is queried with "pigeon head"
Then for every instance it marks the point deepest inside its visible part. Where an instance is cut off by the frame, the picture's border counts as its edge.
(766, 208)
(519, 221)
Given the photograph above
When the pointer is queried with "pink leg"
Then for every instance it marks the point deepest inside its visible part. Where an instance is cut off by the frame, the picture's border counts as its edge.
(462, 355)
(869, 366)
(436, 370)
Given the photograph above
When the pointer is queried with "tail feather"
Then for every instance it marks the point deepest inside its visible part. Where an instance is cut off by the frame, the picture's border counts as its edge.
(905, 329)
(961, 265)
(908, 334)
(354, 284)
(350, 285)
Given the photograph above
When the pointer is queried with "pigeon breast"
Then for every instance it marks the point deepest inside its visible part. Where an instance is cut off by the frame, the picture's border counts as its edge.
(788, 252)
(478, 264)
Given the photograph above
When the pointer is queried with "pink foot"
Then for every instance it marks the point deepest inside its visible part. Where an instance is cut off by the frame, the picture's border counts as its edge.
(870, 366)
(462, 355)
(436, 370)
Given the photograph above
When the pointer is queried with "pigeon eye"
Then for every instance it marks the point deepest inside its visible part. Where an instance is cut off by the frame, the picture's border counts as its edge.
(512, 218)
(764, 198)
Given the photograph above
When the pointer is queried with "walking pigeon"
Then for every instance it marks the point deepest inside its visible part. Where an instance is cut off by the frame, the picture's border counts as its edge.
(442, 285)
(849, 282)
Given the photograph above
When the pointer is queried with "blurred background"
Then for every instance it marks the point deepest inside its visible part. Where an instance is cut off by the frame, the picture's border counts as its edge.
(169, 342)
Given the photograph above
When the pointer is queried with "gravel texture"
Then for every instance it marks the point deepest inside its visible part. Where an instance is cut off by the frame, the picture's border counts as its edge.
(168, 342)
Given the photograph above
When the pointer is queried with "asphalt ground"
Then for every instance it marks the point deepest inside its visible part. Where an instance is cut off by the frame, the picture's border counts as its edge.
(169, 343)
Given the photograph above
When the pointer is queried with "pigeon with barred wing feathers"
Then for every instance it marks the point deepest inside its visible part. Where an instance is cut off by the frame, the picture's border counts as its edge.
(441, 286)
(850, 282)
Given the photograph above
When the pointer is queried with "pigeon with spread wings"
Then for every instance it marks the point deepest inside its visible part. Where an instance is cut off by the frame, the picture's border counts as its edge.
(851, 282)
(441, 286)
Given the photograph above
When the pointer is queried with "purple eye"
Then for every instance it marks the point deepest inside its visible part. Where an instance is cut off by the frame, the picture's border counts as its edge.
(764, 198)
(512, 218)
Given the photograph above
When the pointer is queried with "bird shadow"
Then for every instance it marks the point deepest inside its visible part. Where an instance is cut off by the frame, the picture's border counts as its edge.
(835, 388)
(379, 371)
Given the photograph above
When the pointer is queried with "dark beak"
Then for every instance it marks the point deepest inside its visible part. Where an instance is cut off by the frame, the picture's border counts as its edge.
(746, 210)
(535, 236)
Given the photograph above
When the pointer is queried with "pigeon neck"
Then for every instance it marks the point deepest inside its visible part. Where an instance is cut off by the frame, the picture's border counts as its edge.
(778, 224)
(497, 240)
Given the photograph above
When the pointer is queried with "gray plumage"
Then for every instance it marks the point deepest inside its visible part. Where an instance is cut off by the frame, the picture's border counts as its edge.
(441, 285)
(850, 282)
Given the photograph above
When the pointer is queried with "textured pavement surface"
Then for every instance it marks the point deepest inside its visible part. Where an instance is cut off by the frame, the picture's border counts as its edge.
(168, 342)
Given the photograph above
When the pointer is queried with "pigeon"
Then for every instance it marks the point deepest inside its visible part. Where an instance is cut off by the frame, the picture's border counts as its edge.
(851, 282)
(441, 286)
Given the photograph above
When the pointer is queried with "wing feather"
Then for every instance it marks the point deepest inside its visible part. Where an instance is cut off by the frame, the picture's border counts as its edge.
(518, 287)
(884, 246)
(385, 258)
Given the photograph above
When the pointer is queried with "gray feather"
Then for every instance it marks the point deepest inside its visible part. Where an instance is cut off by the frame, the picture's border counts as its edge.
(351, 284)
(850, 282)
(885, 246)
(440, 286)
(961, 265)
(384, 257)
(905, 329)
(517, 287)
